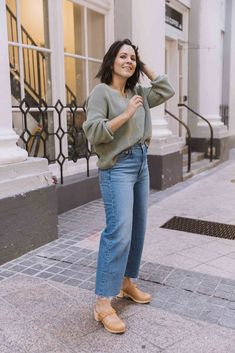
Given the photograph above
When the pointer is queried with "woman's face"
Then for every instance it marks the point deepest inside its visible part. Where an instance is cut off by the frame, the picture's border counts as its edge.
(125, 62)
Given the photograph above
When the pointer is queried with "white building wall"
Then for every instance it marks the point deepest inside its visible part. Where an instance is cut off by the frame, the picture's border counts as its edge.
(9, 151)
(232, 76)
(205, 64)
(209, 57)
(148, 32)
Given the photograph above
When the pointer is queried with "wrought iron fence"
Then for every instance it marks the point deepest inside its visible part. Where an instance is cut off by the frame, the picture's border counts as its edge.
(43, 131)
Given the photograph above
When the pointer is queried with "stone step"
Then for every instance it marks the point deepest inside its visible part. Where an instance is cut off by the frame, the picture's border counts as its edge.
(199, 167)
(195, 156)
(22, 177)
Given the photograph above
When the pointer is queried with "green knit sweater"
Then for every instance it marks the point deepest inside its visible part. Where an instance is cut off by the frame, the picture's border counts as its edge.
(105, 103)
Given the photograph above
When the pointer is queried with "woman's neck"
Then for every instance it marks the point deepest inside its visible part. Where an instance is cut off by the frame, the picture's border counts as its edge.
(119, 85)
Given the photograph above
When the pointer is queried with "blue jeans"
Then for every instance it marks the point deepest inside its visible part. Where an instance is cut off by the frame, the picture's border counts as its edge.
(125, 190)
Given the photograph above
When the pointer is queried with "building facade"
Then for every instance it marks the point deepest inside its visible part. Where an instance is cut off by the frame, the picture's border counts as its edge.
(51, 51)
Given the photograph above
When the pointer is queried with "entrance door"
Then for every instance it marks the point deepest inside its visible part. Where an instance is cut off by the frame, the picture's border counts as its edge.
(182, 86)
(176, 69)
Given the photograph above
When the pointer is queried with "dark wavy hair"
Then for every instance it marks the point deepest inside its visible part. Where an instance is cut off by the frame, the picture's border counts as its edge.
(106, 72)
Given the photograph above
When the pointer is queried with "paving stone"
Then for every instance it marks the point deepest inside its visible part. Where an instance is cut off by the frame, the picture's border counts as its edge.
(174, 279)
(40, 266)
(50, 262)
(30, 271)
(45, 274)
(149, 267)
(54, 269)
(27, 263)
(158, 276)
(26, 335)
(81, 275)
(87, 285)
(218, 301)
(190, 284)
(69, 273)
(73, 282)
(192, 313)
(228, 282)
(205, 290)
(144, 275)
(156, 328)
(180, 296)
(18, 268)
(58, 278)
(226, 288)
(164, 293)
(18, 283)
(7, 265)
(212, 339)
(6, 273)
(8, 313)
(85, 269)
(227, 321)
(127, 343)
(63, 265)
(155, 302)
(231, 305)
(173, 307)
(212, 313)
(224, 295)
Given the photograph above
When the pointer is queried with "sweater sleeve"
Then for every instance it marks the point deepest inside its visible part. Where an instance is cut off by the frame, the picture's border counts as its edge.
(95, 127)
(159, 92)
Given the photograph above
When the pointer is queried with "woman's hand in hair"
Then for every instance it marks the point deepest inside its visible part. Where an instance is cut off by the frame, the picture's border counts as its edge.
(134, 103)
(149, 73)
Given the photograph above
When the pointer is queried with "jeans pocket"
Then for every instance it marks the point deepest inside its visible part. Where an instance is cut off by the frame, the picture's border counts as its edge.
(123, 155)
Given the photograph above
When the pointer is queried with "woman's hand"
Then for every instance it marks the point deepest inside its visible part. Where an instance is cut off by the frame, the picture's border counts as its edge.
(148, 72)
(134, 103)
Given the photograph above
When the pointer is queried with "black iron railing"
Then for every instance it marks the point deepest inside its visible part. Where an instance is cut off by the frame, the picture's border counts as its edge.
(209, 124)
(70, 96)
(189, 143)
(59, 127)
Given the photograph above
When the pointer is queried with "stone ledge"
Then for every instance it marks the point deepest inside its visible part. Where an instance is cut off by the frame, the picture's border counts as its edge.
(19, 178)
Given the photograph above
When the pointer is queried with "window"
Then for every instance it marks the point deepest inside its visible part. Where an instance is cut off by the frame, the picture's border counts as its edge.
(30, 74)
(30, 57)
(84, 47)
(29, 53)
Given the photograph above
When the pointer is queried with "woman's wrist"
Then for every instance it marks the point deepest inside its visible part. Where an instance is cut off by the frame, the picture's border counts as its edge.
(149, 73)
(118, 121)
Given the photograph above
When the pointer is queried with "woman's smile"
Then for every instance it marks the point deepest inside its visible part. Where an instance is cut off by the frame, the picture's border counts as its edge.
(125, 62)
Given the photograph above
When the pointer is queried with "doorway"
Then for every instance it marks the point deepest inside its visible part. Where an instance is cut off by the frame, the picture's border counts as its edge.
(176, 68)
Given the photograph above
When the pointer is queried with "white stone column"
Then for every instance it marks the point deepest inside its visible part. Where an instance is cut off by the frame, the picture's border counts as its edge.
(9, 151)
(148, 32)
(232, 76)
(210, 66)
(18, 174)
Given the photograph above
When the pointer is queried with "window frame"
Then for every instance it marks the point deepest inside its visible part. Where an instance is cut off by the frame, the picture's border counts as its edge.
(57, 57)
(21, 46)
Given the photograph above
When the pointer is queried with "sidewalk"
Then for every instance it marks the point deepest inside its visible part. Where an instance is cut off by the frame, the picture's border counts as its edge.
(46, 296)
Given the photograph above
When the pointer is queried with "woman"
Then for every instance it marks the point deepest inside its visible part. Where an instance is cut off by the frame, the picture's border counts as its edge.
(119, 128)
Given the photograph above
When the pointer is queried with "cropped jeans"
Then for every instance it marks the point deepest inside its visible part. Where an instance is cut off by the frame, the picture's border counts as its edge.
(125, 190)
